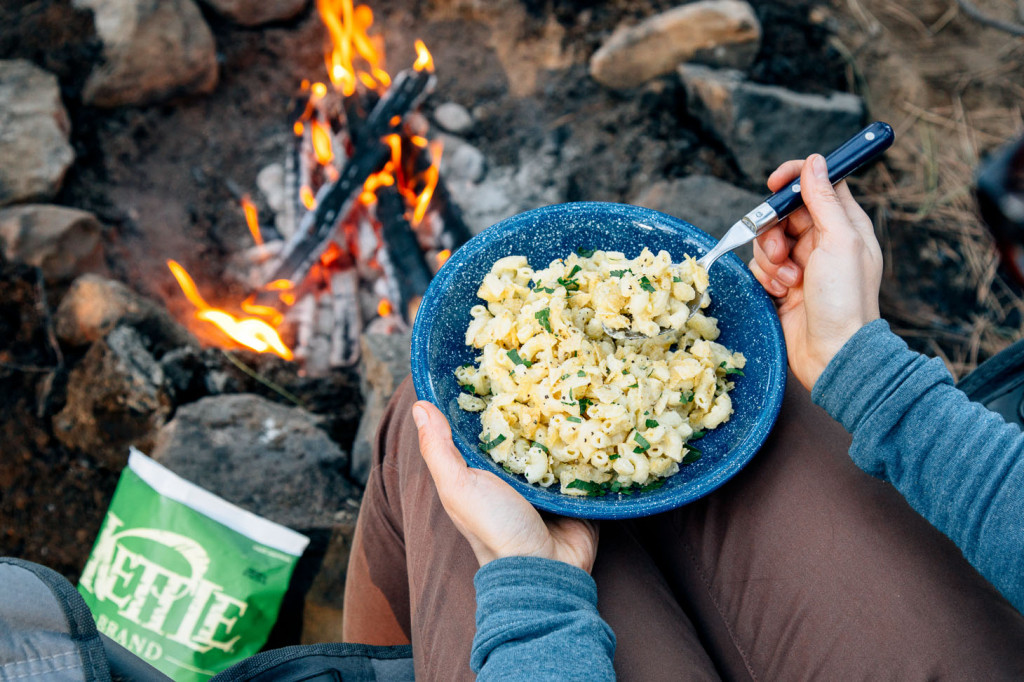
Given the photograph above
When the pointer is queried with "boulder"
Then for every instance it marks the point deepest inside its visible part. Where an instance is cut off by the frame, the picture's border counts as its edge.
(454, 118)
(34, 130)
(708, 202)
(115, 399)
(765, 125)
(152, 50)
(93, 306)
(257, 12)
(62, 242)
(715, 32)
(271, 459)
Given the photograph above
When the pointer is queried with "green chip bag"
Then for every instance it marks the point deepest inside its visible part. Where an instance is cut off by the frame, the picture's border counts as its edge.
(182, 578)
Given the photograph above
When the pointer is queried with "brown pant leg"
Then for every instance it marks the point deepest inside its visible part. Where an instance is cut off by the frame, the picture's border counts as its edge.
(804, 567)
(411, 576)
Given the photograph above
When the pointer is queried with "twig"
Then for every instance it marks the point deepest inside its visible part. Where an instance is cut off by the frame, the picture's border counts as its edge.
(44, 312)
(974, 13)
(27, 369)
(281, 391)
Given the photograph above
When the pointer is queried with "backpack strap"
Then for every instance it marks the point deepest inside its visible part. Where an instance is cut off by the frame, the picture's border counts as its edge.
(46, 630)
(325, 662)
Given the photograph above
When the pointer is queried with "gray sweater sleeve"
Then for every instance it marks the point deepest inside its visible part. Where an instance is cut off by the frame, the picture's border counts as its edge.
(958, 464)
(536, 619)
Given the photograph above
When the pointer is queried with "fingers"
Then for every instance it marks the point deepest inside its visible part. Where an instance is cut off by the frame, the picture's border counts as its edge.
(784, 174)
(821, 199)
(773, 253)
(439, 452)
(768, 280)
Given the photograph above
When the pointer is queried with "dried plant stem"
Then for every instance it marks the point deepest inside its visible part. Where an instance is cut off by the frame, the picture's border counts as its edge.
(974, 13)
(280, 390)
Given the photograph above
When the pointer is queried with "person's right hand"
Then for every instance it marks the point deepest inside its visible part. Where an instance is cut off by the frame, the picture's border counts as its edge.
(822, 264)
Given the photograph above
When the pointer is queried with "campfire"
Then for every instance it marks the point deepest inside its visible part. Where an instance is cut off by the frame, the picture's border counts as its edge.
(366, 219)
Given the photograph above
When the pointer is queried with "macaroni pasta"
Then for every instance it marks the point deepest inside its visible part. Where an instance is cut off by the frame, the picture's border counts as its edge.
(561, 402)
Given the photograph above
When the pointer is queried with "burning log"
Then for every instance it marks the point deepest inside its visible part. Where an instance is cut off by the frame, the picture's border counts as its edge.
(403, 263)
(335, 200)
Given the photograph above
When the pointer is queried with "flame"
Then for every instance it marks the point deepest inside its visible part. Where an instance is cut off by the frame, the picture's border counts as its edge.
(384, 307)
(252, 219)
(423, 59)
(349, 31)
(250, 332)
(298, 129)
(321, 138)
(306, 195)
(319, 90)
(430, 177)
(443, 256)
(419, 141)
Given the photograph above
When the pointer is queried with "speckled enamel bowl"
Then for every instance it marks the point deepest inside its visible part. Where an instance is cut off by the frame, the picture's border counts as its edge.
(745, 315)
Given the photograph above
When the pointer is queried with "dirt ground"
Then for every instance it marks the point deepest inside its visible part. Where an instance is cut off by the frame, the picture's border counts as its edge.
(165, 179)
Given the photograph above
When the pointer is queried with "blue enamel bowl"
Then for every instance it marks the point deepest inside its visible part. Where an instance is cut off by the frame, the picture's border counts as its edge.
(746, 318)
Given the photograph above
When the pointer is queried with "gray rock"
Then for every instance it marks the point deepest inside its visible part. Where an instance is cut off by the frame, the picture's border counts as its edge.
(63, 242)
(716, 32)
(711, 204)
(115, 399)
(765, 125)
(454, 118)
(256, 12)
(152, 50)
(385, 366)
(270, 180)
(538, 180)
(268, 458)
(94, 305)
(34, 130)
(461, 161)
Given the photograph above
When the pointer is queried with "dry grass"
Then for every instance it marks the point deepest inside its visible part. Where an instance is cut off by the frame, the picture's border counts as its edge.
(943, 289)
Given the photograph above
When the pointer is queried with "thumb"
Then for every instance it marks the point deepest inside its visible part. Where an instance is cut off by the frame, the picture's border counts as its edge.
(439, 452)
(820, 197)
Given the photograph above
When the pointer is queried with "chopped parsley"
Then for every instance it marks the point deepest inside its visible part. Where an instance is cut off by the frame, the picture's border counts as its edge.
(692, 456)
(677, 279)
(468, 388)
(488, 445)
(686, 398)
(542, 447)
(574, 270)
(513, 355)
(581, 373)
(569, 284)
(546, 290)
(542, 317)
(564, 377)
(507, 470)
(644, 444)
(614, 456)
(697, 435)
(584, 404)
(625, 371)
(646, 285)
(635, 385)
(466, 364)
(651, 424)
(585, 253)
(615, 487)
(576, 420)
(731, 370)
(620, 273)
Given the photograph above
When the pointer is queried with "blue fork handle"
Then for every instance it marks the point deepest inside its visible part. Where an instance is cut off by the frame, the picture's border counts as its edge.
(858, 151)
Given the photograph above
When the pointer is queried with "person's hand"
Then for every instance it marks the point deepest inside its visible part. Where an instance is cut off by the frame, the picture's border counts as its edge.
(822, 264)
(495, 519)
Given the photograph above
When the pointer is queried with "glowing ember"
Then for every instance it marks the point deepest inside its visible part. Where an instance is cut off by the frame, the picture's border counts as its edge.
(252, 219)
(298, 128)
(384, 307)
(250, 332)
(321, 138)
(443, 256)
(308, 200)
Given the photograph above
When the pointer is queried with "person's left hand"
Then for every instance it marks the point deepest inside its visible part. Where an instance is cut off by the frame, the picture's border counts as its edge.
(495, 519)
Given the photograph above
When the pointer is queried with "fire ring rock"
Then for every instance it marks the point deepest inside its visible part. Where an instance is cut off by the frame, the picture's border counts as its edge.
(34, 130)
(62, 242)
(257, 12)
(152, 49)
(268, 458)
(115, 399)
